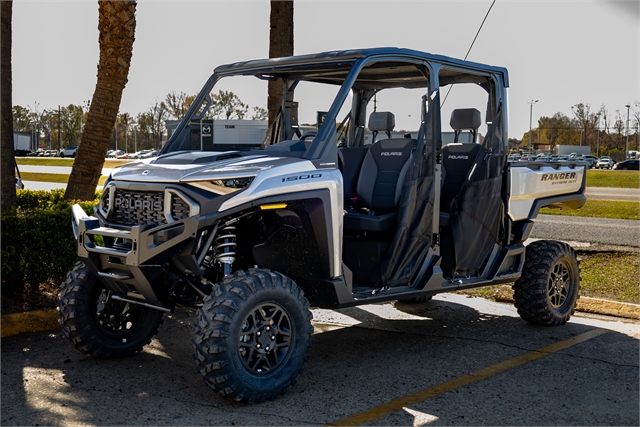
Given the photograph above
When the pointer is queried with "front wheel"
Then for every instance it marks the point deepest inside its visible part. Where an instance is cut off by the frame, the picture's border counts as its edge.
(547, 291)
(98, 325)
(253, 335)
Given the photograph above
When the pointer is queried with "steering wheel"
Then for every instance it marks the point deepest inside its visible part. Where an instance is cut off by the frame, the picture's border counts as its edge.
(308, 135)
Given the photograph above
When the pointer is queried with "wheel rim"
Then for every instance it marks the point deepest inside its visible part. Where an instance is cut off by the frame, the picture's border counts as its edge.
(265, 338)
(115, 317)
(559, 282)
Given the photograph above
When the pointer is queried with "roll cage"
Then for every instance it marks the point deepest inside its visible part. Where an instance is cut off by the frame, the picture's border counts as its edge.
(362, 73)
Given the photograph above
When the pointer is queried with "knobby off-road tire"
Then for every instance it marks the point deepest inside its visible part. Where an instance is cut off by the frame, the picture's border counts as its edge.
(253, 335)
(98, 325)
(547, 291)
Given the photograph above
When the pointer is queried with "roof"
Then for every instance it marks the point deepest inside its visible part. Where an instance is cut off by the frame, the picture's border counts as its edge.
(322, 64)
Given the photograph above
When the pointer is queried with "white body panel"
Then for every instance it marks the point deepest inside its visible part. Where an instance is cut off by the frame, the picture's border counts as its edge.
(294, 178)
(527, 185)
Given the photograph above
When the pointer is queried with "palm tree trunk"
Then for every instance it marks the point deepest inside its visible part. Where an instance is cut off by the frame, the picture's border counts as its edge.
(280, 44)
(7, 158)
(117, 24)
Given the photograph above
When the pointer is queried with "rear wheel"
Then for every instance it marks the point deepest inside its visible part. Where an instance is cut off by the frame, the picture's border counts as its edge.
(253, 335)
(98, 325)
(547, 291)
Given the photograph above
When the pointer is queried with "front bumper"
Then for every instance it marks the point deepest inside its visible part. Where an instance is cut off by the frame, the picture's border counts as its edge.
(126, 260)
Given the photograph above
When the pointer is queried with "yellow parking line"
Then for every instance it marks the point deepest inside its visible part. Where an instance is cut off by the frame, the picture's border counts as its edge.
(482, 374)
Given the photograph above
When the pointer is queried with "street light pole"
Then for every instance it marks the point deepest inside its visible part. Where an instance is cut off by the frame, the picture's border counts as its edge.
(598, 140)
(59, 125)
(626, 145)
(531, 121)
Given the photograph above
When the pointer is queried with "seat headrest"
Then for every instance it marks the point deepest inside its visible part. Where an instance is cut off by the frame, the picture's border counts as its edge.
(382, 121)
(465, 119)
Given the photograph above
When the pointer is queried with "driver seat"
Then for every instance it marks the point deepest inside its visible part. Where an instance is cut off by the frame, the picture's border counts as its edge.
(381, 178)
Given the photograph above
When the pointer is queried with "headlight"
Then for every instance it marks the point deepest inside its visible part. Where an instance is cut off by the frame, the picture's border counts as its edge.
(224, 186)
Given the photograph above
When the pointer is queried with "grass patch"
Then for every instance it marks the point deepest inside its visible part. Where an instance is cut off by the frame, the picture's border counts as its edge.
(617, 209)
(608, 275)
(51, 177)
(618, 179)
(611, 276)
(54, 161)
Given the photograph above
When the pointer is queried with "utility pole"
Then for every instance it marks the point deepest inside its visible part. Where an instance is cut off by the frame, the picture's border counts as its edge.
(531, 121)
(626, 145)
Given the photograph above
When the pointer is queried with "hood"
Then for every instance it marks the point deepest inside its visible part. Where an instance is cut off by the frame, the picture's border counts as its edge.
(187, 167)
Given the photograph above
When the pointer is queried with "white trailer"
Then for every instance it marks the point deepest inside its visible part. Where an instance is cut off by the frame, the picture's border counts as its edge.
(21, 144)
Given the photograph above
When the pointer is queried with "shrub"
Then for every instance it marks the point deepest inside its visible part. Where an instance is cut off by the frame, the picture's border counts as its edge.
(37, 240)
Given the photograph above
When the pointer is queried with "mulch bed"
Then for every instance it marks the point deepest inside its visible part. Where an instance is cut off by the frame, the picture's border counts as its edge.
(41, 297)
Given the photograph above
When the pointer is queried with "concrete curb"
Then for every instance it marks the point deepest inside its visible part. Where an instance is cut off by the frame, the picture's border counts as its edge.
(28, 322)
(45, 320)
(585, 304)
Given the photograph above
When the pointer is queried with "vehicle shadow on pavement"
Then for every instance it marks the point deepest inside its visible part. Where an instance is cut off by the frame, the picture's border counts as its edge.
(387, 353)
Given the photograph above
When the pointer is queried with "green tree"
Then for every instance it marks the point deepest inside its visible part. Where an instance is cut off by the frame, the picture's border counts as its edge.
(116, 25)
(21, 118)
(71, 126)
(259, 114)
(585, 121)
(7, 159)
(280, 44)
(151, 125)
(41, 122)
(177, 104)
(556, 130)
(227, 105)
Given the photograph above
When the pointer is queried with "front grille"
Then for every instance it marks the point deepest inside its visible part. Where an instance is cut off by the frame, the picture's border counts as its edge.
(135, 208)
(144, 207)
(179, 208)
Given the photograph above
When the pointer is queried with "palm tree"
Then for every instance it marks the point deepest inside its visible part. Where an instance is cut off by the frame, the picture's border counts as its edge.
(117, 24)
(6, 118)
(280, 44)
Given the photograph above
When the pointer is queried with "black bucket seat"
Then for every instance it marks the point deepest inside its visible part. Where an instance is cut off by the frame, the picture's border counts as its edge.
(381, 178)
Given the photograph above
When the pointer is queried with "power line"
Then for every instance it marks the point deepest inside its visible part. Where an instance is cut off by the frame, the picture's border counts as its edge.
(470, 47)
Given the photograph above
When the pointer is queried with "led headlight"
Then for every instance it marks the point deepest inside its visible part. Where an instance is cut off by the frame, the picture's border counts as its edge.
(225, 185)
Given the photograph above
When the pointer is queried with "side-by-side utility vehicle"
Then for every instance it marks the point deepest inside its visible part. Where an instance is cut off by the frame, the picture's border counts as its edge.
(251, 239)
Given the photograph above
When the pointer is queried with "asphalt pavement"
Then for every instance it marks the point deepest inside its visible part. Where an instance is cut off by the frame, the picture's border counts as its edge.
(451, 361)
(619, 232)
(610, 193)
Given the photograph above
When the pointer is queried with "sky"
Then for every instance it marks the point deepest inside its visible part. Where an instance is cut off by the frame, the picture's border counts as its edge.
(557, 52)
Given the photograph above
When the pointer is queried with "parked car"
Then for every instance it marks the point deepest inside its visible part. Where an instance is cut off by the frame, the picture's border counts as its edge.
(627, 165)
(605, 162)
(142, 154)
(69, 151)
(592, 160)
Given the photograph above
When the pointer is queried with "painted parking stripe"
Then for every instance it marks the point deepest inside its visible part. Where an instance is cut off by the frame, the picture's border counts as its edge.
(482, 374)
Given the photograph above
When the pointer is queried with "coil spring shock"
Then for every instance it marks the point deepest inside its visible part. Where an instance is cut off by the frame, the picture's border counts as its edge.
(224, 247)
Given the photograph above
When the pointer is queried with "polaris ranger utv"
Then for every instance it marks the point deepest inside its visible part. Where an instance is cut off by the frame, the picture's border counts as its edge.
(348, 214)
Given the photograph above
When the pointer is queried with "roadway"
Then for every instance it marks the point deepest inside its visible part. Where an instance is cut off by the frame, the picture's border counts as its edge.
(451, 361)
(619, 232)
